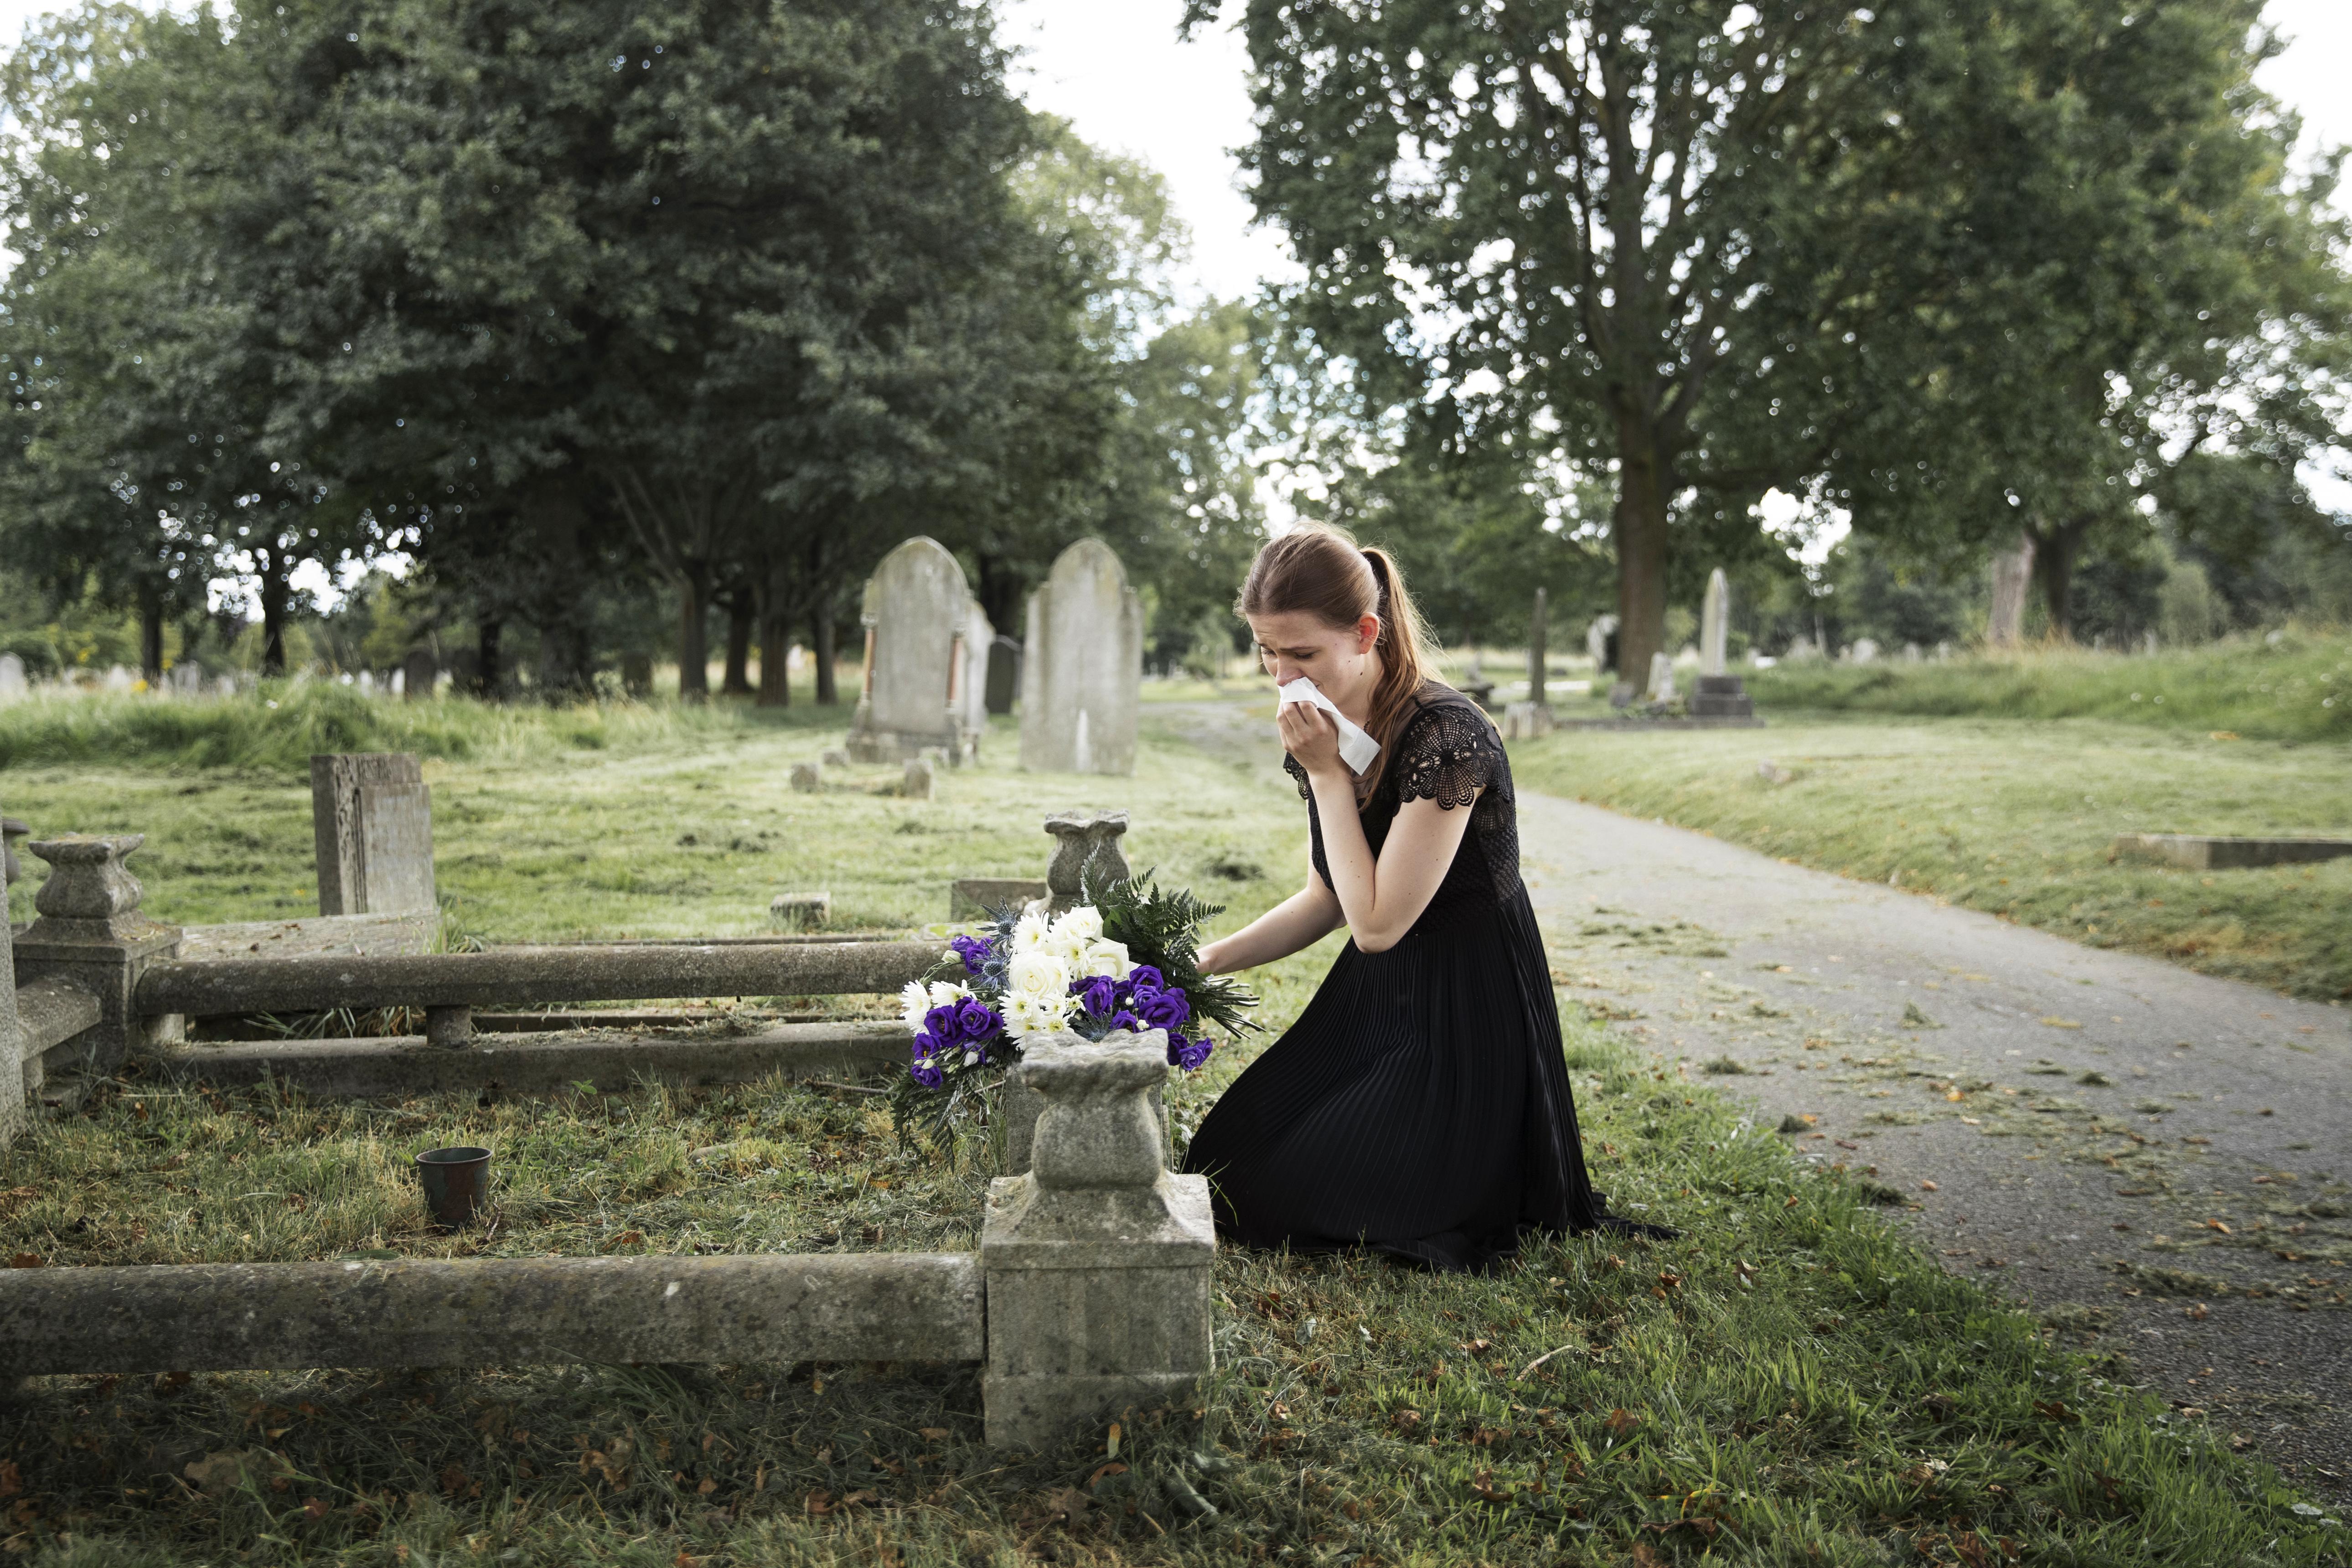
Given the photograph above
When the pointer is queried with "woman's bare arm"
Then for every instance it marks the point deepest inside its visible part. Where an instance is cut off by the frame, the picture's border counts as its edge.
(1380, 900)
(1300, 920)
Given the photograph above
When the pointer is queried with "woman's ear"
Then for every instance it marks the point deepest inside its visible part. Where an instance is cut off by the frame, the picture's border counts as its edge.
(1368, 632)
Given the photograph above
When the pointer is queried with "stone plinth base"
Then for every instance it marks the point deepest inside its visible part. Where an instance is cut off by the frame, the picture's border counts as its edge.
(2200, 853)
(1721, 696)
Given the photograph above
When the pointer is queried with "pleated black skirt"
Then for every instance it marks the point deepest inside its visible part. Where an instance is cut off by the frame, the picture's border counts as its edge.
(1419, 1107)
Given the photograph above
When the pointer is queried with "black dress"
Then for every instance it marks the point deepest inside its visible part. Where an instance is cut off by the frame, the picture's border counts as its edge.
(1420, 1105)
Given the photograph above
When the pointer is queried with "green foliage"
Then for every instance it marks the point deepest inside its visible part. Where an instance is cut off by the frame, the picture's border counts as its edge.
(1162, 928)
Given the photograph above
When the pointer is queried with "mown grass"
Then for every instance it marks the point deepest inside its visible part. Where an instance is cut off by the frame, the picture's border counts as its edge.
(2298, 688)
(2018, 818)
(1792, 1382)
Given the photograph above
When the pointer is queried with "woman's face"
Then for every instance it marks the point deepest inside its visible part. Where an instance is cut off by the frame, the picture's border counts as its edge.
(1338, 659)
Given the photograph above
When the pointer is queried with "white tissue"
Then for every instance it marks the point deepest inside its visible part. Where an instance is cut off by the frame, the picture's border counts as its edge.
(1356, 748)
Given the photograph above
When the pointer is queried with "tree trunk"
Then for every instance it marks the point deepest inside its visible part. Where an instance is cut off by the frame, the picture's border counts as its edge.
(693, 648)
(274, 594)
(1640, 529)
(775, 645)
(150, 636)
(741, 616)
(489, 672)
(2013, 574)
(2054, 554)
(821, 647)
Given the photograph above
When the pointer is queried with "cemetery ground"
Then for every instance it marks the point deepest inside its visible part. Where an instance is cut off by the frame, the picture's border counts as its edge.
(1794, 1381)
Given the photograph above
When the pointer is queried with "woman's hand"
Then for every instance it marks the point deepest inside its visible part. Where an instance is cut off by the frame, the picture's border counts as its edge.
(1311, 734)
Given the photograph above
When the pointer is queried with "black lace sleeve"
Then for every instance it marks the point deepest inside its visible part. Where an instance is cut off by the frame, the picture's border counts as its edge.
(1447, 753)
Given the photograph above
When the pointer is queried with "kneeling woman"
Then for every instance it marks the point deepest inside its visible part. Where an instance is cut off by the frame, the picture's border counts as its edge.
(1420, 1105)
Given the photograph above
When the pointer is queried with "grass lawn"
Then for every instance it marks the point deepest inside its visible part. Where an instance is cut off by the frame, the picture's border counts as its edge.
(1792, 1382)
(2015, 816)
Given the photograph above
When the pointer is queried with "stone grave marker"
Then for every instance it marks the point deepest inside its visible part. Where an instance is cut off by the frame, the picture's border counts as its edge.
(419, 670)
(1863, 651)
(1003, 673)
(835, 758)
(971, 699)
(1600, 643)
(808, 779)
(979, 898)
(11, 677)
(916, 606)
(802, 911)
(1082, 675)
(919, 776)
(1714, 625)
(1661, 677)
(372, 820)
(118, 679)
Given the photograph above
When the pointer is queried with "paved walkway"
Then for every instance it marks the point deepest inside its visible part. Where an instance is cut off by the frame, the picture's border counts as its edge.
(2159, 1160)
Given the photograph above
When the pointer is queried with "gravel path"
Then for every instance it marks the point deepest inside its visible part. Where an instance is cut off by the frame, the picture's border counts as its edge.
(2159, 1162)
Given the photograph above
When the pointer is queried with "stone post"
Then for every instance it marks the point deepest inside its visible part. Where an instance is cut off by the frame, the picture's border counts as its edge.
(91, 933)
(12, 1032)
(1537, 672)
(2013, 578)
(1714, 625)
(1098, 1261)
(1085, 851)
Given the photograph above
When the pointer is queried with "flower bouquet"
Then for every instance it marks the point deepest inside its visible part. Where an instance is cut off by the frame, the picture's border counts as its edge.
(1129, 961)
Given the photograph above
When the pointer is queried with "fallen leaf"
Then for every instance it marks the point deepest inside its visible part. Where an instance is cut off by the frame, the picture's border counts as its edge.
(315, 1508)
(1621, 1422)
(933, 1433)
(2217, 1225)
(1114, 1468)
(2062, 1023)
(2196, 1313)
(1483, 1484)
(1067, 1501)
(25, 1260)
(2055, 1410)
(1928, 1187)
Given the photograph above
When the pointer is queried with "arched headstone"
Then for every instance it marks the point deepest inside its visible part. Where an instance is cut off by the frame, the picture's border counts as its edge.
(1082, 676)
(916, 608)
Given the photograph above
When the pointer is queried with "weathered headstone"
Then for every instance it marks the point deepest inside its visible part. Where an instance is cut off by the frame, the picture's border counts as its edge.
(372, 821)
(1911, 654)
(419, 670)
(835, 758)
(1003, 673)
(1714, 625)
(1526, 721)
(1661, 677)
(803, 911)
(1601, 644)
(1863, 651)
(11, 677)
(970, 700)
(118, 679)
(807, 778)
(1082, 676)
(914, 605)
(186, 679)
(921, 774)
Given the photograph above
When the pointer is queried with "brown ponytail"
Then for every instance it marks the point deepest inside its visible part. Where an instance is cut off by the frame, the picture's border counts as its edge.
(1320, 570)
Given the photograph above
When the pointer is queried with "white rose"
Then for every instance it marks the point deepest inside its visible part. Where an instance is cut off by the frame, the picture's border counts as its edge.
(1085, 922)
(913, 1003)
(946, 994)
(1029, 934)
(1042, 976)
(1106, 957)
(1028, 1017)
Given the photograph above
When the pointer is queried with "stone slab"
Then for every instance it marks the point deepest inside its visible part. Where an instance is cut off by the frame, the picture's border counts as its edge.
(318, 936)
(536, 1064)
(915, 605)
(397, 847)
(1082, 672)
(337, 824)
(534, 976)
(491, 1311)
(2201, 853)
(978, 898)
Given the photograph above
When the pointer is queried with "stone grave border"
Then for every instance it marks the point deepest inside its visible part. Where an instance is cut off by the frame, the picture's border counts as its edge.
(1089, 1295)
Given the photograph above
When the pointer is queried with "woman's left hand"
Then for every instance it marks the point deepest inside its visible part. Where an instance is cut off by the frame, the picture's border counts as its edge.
(1311, 734)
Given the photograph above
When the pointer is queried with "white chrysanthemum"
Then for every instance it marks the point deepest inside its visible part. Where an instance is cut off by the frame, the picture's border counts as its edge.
(1106, 957)
(1030, 1016)
(1038, 975)
(1029, 934)
(947, 992)
(1085, 922)
(914, 1001)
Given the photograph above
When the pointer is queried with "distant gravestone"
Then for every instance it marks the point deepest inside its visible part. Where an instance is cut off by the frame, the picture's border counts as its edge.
(916, 606)
(803, 911)
(1600, 643)
(921, 773)
(372, 820)
(1082, 676)
(118, 679)
(969, 699)
(185, 678)
(11, 677)
(419, 672)
(1911, 654)
(2013, 578)
(1661, 677)
(1863, 651)
(1714, 625)
(808, 779)
(834, 759)
(979, 897)
(1003, 673)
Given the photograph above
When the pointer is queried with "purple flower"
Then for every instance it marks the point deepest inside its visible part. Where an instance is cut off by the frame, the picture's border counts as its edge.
(1143, 980)
(927, 1072)
(1099, 996)
(972, 951)
(1194, 1054)
(928, 1044)
(942, 1022)
(976, 1020)
(1163, 1009)
(1123, 1019)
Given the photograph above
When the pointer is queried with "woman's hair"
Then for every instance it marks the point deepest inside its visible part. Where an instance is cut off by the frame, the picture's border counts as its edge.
(1320, 570)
